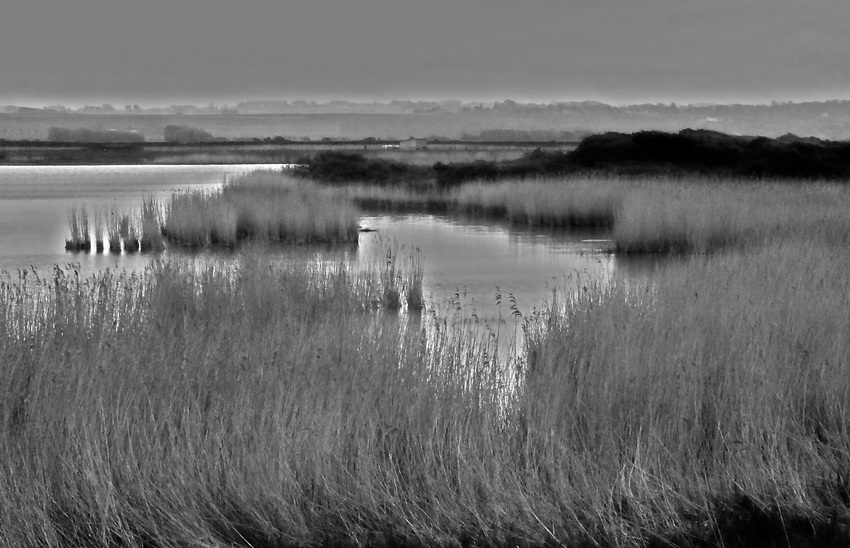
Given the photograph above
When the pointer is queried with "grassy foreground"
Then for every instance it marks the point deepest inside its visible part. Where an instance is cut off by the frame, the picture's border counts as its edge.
(260, 404)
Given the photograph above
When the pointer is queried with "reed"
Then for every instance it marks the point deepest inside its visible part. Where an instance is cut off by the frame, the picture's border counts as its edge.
(113, 231)
(717, 394)
(651, 214)
(270, 403)
(572, 202)
(265, 206)
(127, 229)
(78, 224)
(705, 215)
(151, 220)
(99, 224)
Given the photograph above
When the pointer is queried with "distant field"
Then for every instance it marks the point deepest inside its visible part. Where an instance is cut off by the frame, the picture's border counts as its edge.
(291, 126)
(401, 126)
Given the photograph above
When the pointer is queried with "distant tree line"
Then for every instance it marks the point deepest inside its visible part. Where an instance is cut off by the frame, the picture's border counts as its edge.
(86, 135)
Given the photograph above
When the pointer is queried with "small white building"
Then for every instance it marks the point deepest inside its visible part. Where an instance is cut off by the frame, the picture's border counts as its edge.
(413, 144)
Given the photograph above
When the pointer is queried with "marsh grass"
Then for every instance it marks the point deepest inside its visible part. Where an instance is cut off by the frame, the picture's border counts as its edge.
(151, 222)
(703, 216)
(113, 230)
(99, 223)
(274, 403)
(78, 225)
(713, 402)
(575, 202)
(650, 214)
(263, 205)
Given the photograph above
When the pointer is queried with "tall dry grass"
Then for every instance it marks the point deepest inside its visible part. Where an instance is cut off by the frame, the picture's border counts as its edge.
(262, 205)
(587, 201)
(649, 215)
(260, 403)
(711, 404)
(702, 216)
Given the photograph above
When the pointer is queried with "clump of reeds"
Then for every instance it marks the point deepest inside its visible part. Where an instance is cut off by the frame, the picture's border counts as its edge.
(128, 233)
(78, 223)
(261, 206)
(414, 274)
(99, 223)
(113, 231)
(702, 216)
(151, 222)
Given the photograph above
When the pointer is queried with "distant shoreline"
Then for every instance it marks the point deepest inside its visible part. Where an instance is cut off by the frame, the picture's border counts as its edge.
(256, 151)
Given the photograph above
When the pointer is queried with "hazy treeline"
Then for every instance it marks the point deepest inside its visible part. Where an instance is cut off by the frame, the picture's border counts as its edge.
(86, 135)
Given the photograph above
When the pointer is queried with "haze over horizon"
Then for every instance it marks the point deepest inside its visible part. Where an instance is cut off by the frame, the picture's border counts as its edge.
(159, 52)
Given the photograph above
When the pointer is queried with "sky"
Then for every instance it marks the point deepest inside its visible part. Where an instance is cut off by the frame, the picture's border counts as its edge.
(151, 52)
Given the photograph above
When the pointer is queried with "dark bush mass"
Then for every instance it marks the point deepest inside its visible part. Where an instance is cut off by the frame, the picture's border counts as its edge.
(714, 153)
(341, 167)
(186, 134)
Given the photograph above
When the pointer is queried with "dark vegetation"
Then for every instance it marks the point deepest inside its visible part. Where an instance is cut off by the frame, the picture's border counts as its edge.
(341, 167)
(186, 134)
(687, 152)
(714, 153)
(643, 153)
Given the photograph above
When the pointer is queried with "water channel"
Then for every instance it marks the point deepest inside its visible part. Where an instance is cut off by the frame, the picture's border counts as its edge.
(468, 262)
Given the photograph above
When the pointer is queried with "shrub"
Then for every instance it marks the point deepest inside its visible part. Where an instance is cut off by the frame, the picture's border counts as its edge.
(186, 134)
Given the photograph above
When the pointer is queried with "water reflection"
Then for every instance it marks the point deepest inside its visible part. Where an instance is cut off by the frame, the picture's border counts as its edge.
(489, 269)
(34, 203)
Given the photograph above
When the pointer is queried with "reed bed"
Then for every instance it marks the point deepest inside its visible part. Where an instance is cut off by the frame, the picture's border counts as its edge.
(649, 215)
(576, 202)
(702, 216)
(259, 403)
(262, 205)
(709, 407)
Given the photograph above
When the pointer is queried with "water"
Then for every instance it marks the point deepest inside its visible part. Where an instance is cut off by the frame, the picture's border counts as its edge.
(34, 204)
(468, 263)
(479, 265)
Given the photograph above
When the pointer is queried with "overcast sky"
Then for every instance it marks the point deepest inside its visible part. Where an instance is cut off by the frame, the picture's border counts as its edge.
(620, 51)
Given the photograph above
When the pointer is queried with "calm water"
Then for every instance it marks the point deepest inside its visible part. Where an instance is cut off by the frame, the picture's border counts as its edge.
(465, 260)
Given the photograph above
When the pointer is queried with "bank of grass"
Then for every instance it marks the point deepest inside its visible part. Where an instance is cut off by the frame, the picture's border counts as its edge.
(705, 215)
(647, 214)
(272, 404)
(708, 407)
(262, 205)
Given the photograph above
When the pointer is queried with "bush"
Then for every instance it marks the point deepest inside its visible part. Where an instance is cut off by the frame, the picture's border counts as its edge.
(186, 134)
(712, 152)
(340, 167)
